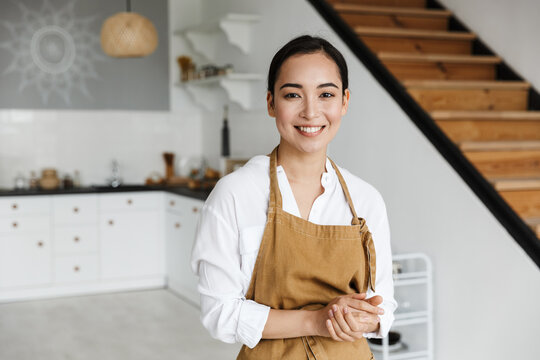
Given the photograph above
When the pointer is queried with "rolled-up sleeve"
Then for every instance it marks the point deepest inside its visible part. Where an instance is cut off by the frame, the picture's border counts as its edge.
(384, 284)
(225, 312)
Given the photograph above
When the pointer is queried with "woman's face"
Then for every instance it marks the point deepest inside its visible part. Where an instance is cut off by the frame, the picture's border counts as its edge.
(308, 102)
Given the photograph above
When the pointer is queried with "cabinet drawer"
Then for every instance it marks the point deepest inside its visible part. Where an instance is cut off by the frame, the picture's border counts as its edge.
(75, 209)
(75, 240)
(23, 205)
(173, 203)
(183, 205)
(130, 201)
(75, 268)
(24, 224)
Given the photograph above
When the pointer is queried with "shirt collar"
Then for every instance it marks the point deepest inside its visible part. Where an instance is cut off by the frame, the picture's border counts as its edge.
(327, 177)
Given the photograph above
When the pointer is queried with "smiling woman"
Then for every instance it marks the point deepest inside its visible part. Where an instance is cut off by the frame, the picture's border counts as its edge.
(285, 264)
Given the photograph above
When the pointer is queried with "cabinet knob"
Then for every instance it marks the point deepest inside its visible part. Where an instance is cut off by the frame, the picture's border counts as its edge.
(195, 209)
(75, 209)
(172, 202)
(76, 239)
(14, 224)
(177, 225)
(14, 206)
(129, 201)
(111, 222)
(76, 268)
(40, 243)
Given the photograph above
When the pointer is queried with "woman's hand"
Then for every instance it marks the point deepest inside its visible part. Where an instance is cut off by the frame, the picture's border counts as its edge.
(348, 317)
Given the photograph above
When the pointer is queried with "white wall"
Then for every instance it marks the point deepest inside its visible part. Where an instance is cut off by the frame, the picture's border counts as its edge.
(486, 288)
(509, 28)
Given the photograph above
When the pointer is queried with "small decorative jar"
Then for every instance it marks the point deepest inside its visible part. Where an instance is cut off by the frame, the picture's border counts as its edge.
(49, 179)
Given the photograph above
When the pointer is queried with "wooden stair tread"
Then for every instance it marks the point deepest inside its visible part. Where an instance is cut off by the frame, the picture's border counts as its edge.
(391, 10)
(468, 59)
(407, 33)
(508, 184)
(499, 145)
(485, 115)
(532, 222)
(467, 84)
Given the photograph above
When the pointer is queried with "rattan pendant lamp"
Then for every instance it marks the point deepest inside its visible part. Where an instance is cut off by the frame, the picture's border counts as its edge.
(128, 34)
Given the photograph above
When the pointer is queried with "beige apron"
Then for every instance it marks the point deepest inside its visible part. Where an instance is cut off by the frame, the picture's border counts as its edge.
(301, 265)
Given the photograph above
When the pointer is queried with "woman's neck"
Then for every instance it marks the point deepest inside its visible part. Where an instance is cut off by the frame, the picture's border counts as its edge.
(301, 167)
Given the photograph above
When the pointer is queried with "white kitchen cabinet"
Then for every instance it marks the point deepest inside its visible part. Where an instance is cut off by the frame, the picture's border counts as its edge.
(69, 240)
(15, 225)
(180, 225)
(24, 205)
(69, 244)
(131, 241)
(75, 209)
(75, 253)
(76, 268)
(25, 259)
(25, 242)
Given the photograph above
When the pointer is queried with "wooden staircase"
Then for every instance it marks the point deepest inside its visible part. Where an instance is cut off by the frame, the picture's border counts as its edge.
(487, 118)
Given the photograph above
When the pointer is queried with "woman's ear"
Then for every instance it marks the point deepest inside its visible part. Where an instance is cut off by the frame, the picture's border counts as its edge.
(345, 105)
(270, 104)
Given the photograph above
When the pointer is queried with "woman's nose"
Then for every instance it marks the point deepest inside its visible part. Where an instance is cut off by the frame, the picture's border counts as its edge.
(309, 110)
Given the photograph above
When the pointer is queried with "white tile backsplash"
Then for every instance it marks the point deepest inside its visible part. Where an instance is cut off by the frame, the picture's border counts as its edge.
(88, 141)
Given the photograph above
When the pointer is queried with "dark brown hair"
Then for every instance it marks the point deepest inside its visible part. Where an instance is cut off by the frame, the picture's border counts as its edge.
(307, 44)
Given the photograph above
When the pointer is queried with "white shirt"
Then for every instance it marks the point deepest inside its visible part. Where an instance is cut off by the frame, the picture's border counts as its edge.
(230, 230)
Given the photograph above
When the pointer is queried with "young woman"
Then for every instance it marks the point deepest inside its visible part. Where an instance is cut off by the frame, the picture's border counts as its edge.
(286, 262)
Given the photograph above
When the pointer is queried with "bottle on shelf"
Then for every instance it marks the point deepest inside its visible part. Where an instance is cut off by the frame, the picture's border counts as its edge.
(33, 183)
(77, 179)
(225, 148)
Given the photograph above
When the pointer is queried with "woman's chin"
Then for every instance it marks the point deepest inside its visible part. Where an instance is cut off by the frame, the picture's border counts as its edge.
(312, 148)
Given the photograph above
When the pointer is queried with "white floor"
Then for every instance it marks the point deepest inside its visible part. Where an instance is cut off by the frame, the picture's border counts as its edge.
(149, 325)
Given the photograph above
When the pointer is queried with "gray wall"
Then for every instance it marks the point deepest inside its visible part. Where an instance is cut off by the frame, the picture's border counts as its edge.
(90, 80)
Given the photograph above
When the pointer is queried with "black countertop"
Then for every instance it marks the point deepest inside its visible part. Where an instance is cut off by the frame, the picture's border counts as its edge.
(179, 190)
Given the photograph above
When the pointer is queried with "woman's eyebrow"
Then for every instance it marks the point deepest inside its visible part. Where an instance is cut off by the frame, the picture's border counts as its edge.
(300, 86)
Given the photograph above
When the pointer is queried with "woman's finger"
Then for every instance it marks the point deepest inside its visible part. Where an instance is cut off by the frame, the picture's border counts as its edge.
(359, 296)
(338, 314)
(340, 333)
(366, 321)
(338, 329)
(365, 306)
(331, 330)
(352, 321)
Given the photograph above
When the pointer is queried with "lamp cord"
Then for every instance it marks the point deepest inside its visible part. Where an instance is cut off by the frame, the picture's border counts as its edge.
(128, 5)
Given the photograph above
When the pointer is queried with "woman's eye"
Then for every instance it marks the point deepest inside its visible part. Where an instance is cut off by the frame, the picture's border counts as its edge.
(326, 94)
(291, 95)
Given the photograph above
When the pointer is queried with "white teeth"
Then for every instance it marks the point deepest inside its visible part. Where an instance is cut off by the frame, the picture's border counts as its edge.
(310, 129)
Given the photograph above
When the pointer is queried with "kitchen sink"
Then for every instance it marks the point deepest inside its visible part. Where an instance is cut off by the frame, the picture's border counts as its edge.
(119, 188)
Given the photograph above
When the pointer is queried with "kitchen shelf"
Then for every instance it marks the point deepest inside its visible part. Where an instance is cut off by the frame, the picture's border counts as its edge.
(209, 92)
(413, 317)
(236, 27)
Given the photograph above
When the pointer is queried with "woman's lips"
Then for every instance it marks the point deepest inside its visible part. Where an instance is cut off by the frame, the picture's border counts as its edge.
(309, 131)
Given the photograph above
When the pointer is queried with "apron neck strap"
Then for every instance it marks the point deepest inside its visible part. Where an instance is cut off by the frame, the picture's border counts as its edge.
(355, 220)
(275, 193)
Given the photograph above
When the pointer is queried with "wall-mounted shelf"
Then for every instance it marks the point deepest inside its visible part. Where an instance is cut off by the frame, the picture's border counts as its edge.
(212, 92)
(236, 27)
